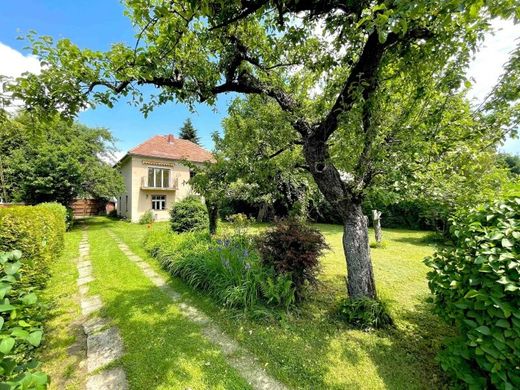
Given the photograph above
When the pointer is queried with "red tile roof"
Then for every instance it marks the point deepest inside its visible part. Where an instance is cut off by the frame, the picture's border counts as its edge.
(167, 146)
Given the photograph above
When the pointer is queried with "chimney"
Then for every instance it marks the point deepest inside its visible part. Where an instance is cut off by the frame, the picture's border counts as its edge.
(170, 138)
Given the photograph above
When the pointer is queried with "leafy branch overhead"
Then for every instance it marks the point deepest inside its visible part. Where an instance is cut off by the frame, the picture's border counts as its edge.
(368, 88)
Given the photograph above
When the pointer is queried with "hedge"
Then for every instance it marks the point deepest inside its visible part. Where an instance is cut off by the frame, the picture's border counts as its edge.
(476, 287)
(38, 232)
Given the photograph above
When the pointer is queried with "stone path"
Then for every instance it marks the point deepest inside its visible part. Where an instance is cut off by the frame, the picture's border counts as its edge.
(245, 363)
(104, 344)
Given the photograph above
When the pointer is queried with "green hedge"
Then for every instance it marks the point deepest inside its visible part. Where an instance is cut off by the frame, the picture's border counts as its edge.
(476, 285)
(38, 232)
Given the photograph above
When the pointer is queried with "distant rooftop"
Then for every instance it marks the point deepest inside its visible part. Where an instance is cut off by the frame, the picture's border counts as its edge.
(167, 146)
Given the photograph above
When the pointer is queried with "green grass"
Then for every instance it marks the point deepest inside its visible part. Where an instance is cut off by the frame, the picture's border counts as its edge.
(163, 350)
(64, 345)
(312, 349)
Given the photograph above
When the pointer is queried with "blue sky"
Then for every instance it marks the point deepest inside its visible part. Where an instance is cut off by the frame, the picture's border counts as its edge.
(97, 24)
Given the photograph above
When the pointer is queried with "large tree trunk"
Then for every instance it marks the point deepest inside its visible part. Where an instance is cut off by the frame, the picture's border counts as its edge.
(360, 277)
(376, 219)
(342, 194)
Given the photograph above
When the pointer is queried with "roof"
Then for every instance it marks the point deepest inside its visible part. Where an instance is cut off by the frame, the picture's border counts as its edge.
(167, 146)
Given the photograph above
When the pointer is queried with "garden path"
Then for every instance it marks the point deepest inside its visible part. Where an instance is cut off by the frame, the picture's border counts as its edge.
(237, 357)
(104, 344)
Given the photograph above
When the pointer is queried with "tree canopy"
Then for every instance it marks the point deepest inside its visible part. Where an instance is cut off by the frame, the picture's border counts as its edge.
(364, 86)
(55, 160)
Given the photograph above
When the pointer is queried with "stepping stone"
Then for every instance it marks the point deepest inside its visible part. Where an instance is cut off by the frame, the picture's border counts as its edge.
(114, 379)
(193, 314)
(82, 281)
(228, 346)
(103, 348)
(94, 325)
(158, 281)
(83, 289)
(84, 263)
(90, 305)
(85, 272)
(174, 295)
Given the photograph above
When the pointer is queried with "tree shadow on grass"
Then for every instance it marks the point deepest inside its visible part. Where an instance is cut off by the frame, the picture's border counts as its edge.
(405, 356)
(162, 348)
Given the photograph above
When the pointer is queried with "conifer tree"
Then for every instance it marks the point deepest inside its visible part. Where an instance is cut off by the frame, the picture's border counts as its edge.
(189, 132)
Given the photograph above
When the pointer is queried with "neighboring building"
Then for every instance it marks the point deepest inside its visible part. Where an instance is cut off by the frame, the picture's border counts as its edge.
(155, 176)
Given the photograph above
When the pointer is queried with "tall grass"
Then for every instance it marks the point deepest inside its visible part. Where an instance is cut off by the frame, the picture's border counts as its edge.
(228, 269)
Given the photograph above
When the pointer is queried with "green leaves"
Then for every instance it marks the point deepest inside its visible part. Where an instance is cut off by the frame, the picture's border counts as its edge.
(6, 345)
(20, 330)
(476, 285)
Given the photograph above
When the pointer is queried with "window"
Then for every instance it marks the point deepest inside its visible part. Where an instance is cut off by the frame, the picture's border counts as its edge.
(126, 202)
(158, 178)
(158, 202)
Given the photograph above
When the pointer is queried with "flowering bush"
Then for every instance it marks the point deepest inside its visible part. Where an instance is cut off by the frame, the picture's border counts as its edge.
(229, 269)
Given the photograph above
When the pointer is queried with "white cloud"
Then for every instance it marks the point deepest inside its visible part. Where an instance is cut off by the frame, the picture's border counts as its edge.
(13, 64)
(487, 66)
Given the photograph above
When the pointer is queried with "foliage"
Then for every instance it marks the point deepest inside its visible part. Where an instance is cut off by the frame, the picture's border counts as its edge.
(188, 215)
(20, 327)
(55, 160)
(38, 232)
(476, 286)
(364, 313)
(511, 161)
(227, 269)
(188, 132)
(69, 220)
(147, 218)
(293, 249)
(240, 223)
(370, 90)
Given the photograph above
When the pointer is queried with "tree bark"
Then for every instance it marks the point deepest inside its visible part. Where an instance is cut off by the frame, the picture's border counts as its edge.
(376, 219)
(360, 277)
(212, 216)
(343, 196)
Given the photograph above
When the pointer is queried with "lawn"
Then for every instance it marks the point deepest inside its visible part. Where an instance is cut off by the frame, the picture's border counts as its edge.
(312, 349)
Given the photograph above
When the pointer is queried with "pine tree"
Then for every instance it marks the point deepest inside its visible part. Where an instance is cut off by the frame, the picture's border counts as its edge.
(189, 132)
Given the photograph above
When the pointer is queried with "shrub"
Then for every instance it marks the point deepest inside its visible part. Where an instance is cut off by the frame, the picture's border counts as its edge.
(293, 248)
(112, 214)
(38, 231)
(240, 222)
(365, 313)
(476, 287)
(21, 328)
(69, 220)
(227, 269)
(147, 218)
(188, 215)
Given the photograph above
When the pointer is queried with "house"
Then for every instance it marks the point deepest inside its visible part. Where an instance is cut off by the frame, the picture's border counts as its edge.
(156, 176)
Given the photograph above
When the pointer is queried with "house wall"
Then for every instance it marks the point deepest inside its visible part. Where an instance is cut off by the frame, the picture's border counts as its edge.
(123, 206)
(142, 198)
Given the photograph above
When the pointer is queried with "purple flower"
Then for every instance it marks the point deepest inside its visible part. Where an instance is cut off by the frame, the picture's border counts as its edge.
(246, 253)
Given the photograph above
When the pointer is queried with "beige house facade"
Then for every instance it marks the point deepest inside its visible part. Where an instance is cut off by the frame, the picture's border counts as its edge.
(156, 176)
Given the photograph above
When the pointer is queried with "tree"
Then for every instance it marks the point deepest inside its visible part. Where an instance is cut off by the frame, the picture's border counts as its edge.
(55, 160)
(359, 82)
(189, 132)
